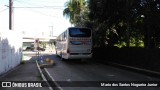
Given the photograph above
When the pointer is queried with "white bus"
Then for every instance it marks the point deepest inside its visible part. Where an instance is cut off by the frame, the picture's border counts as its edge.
(74, 43)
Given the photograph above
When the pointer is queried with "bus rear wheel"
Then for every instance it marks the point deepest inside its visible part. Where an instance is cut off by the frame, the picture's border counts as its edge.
(56, 52)
(62, 57)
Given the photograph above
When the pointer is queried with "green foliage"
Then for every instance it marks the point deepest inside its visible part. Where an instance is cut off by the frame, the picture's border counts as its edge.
(39, 77)
(133, 43)
(74, 10)
(129, 23)
(43, 44)
(120, 44)
(122, 23)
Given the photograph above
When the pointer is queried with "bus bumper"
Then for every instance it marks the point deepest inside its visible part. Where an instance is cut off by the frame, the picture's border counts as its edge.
(79, 56)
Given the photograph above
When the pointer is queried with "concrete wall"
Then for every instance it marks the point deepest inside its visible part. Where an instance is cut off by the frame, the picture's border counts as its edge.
(10, 50)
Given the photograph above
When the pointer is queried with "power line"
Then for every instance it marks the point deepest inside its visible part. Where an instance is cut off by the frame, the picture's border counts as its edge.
(3, 10)
(40, 1)
(40, 12)
(34, 9)
(37, 6)
(42, 7)
(44, 13)
(26, 3)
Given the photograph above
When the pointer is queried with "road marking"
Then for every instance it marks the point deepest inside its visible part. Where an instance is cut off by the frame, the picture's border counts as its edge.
(69, 80)
(110, 75)
(42, 75)
(58, 86)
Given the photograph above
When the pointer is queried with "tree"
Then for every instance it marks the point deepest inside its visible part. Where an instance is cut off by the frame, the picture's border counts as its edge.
(150, 9)
(112, 14)
(126, 20)
(73, 10)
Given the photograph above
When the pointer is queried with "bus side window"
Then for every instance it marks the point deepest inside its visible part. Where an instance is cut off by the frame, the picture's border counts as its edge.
(60, 38)
(64, 36)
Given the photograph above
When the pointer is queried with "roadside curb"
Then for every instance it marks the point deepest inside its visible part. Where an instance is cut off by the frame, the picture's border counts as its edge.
(42, 75)
(145, 71)
(49, 77)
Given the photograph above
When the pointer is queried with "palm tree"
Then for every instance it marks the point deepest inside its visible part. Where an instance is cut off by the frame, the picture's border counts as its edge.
(73, 10)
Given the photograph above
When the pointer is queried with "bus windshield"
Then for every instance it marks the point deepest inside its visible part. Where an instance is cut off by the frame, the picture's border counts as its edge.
(79, 32)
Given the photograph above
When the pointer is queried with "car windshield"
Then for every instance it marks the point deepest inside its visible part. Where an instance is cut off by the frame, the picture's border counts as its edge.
(79, 32)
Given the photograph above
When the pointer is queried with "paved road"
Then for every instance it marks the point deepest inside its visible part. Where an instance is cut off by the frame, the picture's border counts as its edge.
(75, 70)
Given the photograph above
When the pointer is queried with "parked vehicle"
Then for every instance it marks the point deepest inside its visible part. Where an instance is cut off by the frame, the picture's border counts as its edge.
(32, 49)
(29, 48)
(40, 49)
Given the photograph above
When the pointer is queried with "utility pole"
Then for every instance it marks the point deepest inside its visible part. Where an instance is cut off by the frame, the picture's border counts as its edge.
(10, 14)
(51, 32)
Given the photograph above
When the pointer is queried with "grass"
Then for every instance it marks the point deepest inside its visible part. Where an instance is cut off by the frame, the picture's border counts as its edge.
(22, 62)
(39, 77)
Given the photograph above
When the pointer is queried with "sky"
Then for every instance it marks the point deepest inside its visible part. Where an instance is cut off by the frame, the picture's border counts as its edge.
(35, 17)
